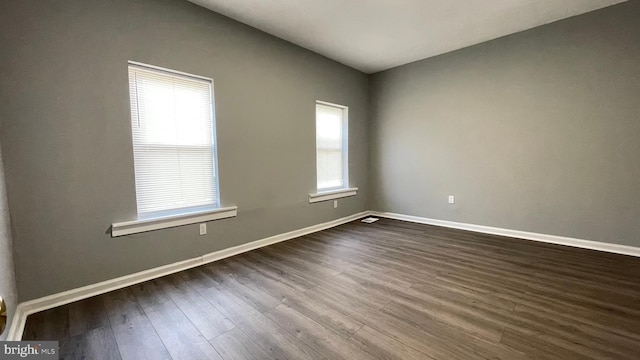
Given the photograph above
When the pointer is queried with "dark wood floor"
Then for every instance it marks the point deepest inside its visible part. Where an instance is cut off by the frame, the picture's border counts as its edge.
(389, 290)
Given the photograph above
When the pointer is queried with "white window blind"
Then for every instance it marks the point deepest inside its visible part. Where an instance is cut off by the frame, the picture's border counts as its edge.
(172, 121)
(331, 146)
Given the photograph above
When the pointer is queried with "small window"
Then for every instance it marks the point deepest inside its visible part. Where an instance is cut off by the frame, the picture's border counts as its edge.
(331, 147)
(174, 143)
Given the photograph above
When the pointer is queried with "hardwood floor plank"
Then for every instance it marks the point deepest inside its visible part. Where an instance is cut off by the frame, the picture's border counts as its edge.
(85, 315)
(437, 339)
(324, 341)
(579, 337)
(351, 306)
(385, 347)
(93, 344)
(233, 266)
(257, 298)
(325, 256)
(205, 317)
(382, 276)
(300, 283)
(263, 331)
(541, 348)
(236, 345)
(52, 324)
(179, 336)
(571, 308)
(302, 264)
(366, 292)
(298, 273)
(484, 324)
(135, 336)
(308, 306)
(465, 294)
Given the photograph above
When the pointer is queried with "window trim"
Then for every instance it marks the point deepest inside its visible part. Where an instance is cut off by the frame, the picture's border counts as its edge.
(144, 225)
(171, 71)
(332, 194)
(345, 148)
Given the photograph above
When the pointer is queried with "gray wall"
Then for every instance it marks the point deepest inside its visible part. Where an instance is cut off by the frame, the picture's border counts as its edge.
(67, 139)
(7, 277)
(538, 131)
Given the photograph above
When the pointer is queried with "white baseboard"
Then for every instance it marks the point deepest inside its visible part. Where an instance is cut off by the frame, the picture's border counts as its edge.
(16, 328)
(553, 239)
(27, 308)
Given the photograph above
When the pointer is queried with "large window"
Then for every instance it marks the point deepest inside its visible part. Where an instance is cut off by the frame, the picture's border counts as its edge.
(331, 146)
(332, 158)
(174, 153)
(174, 150)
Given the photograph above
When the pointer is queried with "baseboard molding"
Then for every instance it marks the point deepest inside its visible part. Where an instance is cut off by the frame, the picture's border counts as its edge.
(16, 328)
(553, 239)
(27, 308)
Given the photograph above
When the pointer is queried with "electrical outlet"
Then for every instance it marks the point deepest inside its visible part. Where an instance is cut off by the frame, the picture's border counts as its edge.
(203, 229)
(335, 204)
(452, 199)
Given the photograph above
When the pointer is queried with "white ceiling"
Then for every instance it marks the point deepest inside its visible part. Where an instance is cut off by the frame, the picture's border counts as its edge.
(375, 35)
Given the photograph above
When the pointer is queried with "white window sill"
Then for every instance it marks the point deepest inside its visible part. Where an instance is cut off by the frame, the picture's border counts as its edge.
(332, 194)
(138, 226)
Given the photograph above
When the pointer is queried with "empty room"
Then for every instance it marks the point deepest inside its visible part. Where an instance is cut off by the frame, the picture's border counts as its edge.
(300, 179)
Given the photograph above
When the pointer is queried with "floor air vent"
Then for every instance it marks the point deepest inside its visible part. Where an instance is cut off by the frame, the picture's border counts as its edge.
(370, 220)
